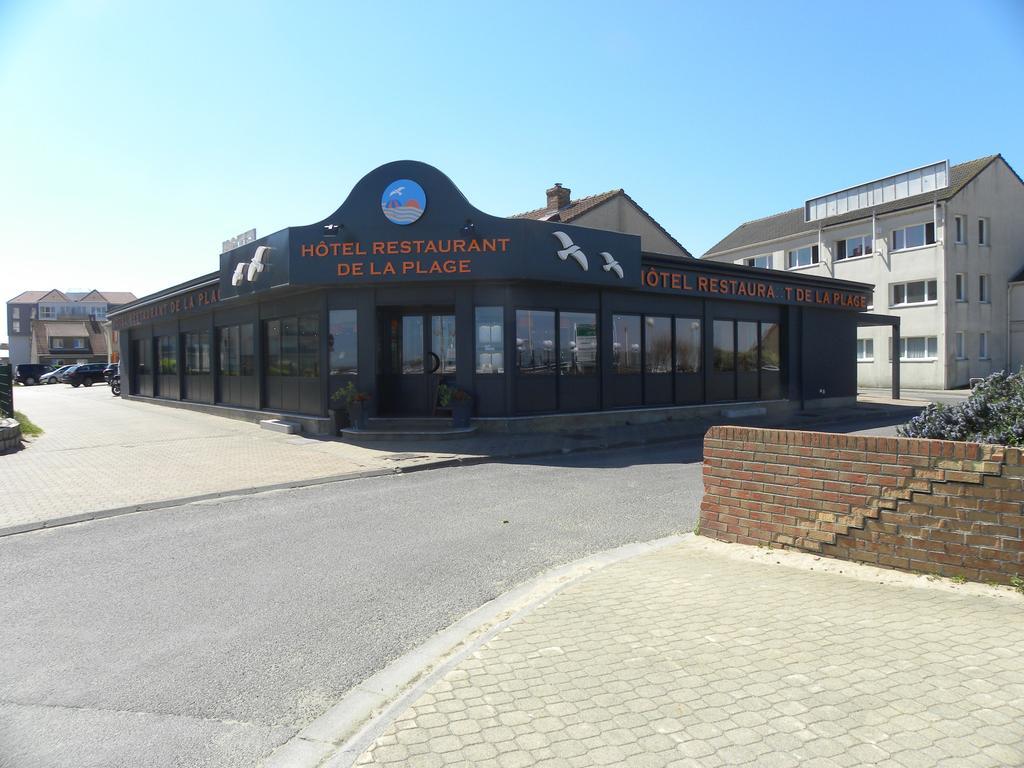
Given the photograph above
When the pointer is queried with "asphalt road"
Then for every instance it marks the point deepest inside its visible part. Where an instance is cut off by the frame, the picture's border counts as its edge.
(208, 634)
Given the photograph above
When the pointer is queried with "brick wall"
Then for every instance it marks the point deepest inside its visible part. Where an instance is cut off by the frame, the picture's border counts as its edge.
(930, 506)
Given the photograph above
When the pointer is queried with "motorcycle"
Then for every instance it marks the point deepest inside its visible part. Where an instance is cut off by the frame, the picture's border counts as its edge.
(115, 385)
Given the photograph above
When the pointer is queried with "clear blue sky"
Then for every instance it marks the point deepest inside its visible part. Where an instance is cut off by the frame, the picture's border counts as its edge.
(136, 136)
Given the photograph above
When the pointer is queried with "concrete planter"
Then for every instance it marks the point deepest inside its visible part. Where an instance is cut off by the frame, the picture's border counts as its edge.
(10, 435)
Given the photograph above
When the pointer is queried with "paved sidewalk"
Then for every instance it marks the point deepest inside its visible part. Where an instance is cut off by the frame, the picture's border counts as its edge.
(707, 654)
(101, 453)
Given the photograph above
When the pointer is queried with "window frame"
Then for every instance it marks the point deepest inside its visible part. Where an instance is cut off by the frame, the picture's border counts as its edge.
(865, 344)
(751, 261)
(814, 254)
(985, 288)
(903, 231)
(960, 287)
(842, 245)
(983, 350)
(959, 230)
(904, 343)
(984, 231)
(928, 301)
(959, 346)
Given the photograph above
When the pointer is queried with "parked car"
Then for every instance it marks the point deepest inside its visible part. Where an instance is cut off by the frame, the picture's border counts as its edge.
(85, 374)
(110, 372)
(30, 373)
(54, 376)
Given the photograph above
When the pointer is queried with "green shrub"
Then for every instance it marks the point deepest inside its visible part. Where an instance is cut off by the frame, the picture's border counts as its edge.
(993, 413)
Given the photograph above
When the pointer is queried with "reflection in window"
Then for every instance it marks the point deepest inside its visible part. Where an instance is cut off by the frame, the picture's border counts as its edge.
(228, 362)
(577, 342)
(289, 346)
(535, 341)
(442, 343)
(724, 350)
(626, 343)
(142, 353)
(246, 350)
(273, 336)
(309, 347)
(343, 342)
(490, 340)
(412, 344)
(771, 360)
(168, 351)
(688, 345)
(746, 346)
(658, 345)
(197, 352)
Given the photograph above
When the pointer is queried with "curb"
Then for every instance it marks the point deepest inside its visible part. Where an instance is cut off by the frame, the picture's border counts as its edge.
(347, 729)
(466, 461)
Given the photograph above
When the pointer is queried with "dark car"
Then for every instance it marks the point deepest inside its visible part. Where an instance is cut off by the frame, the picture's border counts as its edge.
(86, 374)
(30, 373)
(110, 371)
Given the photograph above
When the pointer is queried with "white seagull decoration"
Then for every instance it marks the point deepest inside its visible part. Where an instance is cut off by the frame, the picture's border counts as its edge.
(610, 264)
(571, 249)
(397, 191)
(258, 263)
(239, 274)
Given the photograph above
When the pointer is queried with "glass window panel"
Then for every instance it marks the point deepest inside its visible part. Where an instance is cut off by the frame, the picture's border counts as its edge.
(289, 346)
(688, 345)
(343, 342)
(442, 342)
(246, 350)
(490, 339)
(577, 342)
(273, 347)
(658, 345)
(899, 294)
(746, 346)
(309, 346)
(168, 355)
(224, 353)
(205, 360)
(724, 349)
(933, 290)
(914, 236)
(771, 358)
(412, 344)
(626, 343)
(915, 292)
(535, 341)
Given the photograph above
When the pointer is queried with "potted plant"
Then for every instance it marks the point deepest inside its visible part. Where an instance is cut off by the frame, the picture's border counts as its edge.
(461, 404)
(353, 406)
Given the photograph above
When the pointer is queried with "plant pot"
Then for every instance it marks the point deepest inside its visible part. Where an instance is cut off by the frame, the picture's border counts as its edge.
(341, 419)
(357, 412)
(462, 411)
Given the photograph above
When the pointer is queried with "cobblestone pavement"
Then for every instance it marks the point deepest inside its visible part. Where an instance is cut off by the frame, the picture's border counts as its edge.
(100, 452)
(707, 654)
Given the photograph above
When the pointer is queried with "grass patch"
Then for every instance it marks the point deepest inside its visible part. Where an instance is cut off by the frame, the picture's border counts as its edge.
(28, 427)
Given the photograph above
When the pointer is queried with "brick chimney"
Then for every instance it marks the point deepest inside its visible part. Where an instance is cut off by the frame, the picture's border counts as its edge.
(558, 196)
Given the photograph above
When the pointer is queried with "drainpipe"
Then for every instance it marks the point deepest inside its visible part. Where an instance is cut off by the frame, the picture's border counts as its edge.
(1009, 325)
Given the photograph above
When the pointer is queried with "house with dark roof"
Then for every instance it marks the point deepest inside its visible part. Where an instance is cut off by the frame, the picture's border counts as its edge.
(60, 327)
(614, 211)
(940, 243)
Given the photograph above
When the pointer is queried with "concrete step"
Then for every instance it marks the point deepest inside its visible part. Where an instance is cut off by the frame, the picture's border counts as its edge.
(418, 423)
(744, 411)
(371, 434)
(280, 425)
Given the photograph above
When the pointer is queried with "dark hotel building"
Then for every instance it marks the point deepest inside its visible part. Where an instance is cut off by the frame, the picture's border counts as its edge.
(407, 285)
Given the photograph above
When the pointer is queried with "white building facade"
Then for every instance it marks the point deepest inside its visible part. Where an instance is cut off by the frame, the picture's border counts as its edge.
(939, 243)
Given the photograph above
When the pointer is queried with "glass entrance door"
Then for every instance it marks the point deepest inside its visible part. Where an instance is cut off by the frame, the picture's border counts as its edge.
(417, 355)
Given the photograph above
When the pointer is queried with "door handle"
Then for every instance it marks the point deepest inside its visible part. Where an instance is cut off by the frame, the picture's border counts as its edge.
(437, 362)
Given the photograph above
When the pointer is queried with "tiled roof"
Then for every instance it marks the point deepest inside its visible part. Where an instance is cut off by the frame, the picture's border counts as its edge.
(111, 297)
(792, 222)
(572, 210)
(577, 208)
(27, 297)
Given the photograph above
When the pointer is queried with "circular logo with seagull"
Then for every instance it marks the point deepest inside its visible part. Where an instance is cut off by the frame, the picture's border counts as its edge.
(403, 201)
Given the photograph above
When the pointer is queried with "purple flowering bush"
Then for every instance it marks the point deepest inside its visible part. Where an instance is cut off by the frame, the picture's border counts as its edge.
(993, 413)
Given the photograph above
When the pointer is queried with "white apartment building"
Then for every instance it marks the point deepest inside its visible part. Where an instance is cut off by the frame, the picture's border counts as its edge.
(941, 245)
